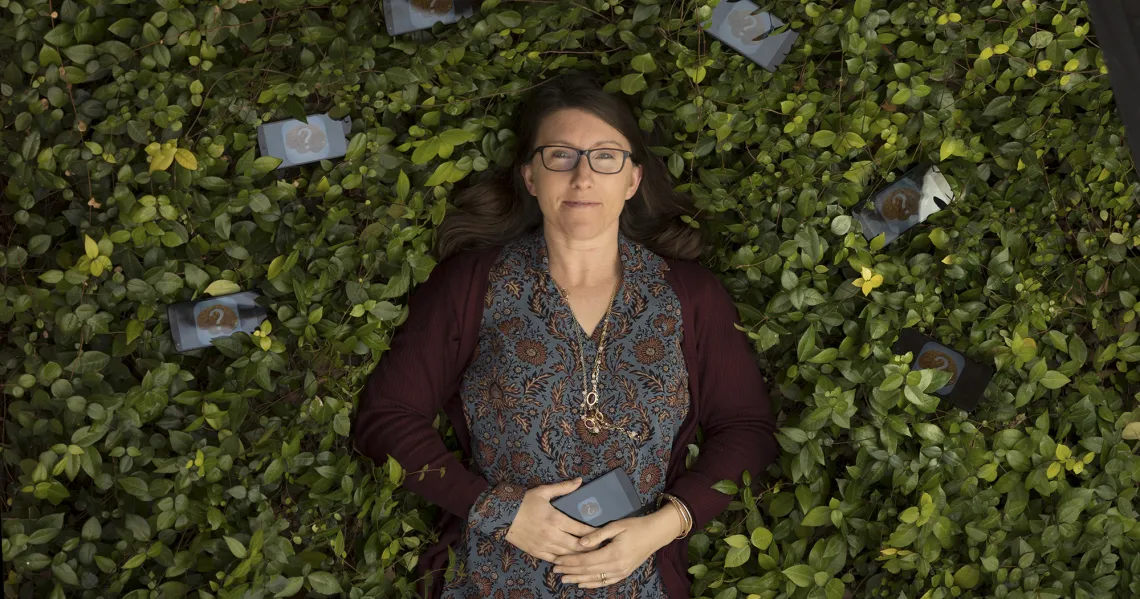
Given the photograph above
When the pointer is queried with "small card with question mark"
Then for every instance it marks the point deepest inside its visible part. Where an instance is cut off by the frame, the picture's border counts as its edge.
(296, 142)
(404, 16)
(968, 379)
(910, 200)
(748, 30)
(196, 324)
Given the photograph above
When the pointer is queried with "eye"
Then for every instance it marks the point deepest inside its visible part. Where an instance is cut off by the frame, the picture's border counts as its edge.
(561, 153)
(606, 155)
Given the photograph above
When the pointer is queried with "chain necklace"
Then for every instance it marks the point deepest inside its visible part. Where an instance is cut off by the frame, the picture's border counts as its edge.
(591, 416)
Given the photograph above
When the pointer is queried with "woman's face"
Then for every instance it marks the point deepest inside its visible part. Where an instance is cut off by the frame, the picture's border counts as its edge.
(581, 203)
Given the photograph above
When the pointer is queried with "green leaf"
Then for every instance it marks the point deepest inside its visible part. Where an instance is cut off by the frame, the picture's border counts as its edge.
(236, 547)
(356, 147)
(265, 164)
(60, 35)
(427, 151)
(823, 138)
(1054, 380)
(643, 63)
(222, 287)
(633, 83)
(49, 56)
(403, 186)
(761, 538)
(324, 583)
(967, 577)
(801, 575)
(862, 7)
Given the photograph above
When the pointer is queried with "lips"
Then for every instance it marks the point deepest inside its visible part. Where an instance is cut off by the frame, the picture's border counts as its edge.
(581, 203)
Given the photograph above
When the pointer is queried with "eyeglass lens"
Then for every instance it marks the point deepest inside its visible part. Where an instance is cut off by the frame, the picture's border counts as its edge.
(603, 160)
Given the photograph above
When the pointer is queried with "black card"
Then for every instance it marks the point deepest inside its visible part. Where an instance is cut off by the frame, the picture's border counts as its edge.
(601, 501)
(195, 324)
(968, 378)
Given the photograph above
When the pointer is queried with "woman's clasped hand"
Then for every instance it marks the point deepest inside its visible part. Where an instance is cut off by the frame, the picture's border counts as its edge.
(542, 531)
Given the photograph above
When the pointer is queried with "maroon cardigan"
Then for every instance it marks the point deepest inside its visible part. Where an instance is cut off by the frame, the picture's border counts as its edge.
(420, 375)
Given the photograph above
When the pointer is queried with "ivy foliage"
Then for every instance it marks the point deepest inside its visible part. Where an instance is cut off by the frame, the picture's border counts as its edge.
(131, 180)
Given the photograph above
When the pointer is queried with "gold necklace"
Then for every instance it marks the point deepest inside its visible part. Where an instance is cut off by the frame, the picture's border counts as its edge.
(591, 416)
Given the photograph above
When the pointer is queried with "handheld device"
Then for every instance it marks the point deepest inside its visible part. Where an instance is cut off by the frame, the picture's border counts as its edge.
(601, 501)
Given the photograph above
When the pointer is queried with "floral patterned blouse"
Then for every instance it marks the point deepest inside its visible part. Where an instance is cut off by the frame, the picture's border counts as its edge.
(522, 395)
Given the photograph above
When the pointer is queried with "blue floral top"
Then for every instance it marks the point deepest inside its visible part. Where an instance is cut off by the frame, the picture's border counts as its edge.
(522, 395)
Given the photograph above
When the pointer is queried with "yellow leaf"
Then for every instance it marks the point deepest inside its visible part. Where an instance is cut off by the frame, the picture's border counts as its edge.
(942, 20)
(1054, 469)
(186, 159)
(1078, 468)
(988, 52)
(949, 259)
(1001, 49)
(867, 287)
(866, 272)
(1088, 458)
(96, 268)
(90, 247)
(1063, 452)
(162, 160)
(1032, 72)
(1132, 431)
(1044, 65)
(955, 17)
(1072, 65)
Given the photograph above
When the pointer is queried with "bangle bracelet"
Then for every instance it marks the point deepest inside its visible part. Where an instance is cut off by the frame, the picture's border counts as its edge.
(682, 512)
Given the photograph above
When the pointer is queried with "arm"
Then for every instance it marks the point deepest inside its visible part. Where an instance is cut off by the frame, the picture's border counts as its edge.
(409, 386)
(740, 429)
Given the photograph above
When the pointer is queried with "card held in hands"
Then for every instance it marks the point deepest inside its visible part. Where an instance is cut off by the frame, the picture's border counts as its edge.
(748, 31)
(968, 379)
(908, 201)
(601, 501)
(295, 142)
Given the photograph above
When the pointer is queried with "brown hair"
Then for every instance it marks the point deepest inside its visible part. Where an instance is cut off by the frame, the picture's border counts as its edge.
(500, 208)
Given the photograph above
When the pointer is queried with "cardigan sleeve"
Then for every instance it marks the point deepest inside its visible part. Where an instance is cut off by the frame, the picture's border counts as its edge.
(411, 382)
(735, 413)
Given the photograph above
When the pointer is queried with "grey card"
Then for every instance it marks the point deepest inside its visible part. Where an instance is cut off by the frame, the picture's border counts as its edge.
(905, 203)
(939, 357)
(404, 16)
(295, 142)
(195, 324)
(741, 26)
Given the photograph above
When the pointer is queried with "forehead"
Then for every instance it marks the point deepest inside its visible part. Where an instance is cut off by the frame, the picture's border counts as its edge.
(580, 129)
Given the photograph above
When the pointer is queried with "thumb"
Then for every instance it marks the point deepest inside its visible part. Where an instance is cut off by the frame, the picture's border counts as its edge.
(599, 536)
(562, 488)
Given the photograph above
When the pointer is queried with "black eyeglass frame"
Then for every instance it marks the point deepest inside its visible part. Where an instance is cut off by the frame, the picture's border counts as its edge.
(625, 155)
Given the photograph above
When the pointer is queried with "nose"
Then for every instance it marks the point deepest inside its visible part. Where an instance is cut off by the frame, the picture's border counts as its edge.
(583, 174)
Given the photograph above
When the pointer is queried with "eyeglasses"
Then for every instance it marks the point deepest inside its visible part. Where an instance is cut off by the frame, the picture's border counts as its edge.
(606, 161)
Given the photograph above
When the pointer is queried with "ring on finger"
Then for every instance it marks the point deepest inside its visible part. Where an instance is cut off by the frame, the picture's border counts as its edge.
(603, 578)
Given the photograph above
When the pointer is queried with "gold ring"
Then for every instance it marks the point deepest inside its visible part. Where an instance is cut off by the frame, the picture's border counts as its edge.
(603, 575)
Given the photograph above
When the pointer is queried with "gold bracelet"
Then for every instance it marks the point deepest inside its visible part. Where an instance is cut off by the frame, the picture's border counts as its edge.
(682, 512)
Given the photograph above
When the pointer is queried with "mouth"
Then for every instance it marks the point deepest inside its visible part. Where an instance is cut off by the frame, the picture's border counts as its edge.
(581, 204)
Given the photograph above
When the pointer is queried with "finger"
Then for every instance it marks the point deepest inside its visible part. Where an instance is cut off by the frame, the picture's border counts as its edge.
(559, 489)
(591, 581)
(600, 535)
(592, 562)
(571, 526)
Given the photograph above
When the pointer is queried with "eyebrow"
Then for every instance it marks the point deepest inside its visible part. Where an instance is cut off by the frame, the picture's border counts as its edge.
(562, 142)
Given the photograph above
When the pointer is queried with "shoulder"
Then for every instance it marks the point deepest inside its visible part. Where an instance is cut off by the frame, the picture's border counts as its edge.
(693, 281)
(463, 268)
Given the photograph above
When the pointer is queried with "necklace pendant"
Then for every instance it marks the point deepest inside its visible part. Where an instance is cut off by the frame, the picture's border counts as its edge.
(591, 399)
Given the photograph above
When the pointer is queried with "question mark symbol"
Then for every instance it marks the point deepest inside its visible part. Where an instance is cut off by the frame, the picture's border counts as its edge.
(306, 135)
(221, 314)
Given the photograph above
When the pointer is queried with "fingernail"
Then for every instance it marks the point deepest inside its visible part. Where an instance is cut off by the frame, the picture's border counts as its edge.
(585, 542)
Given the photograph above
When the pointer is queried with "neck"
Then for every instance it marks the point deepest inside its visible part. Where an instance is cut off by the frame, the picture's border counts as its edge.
(583, 262)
